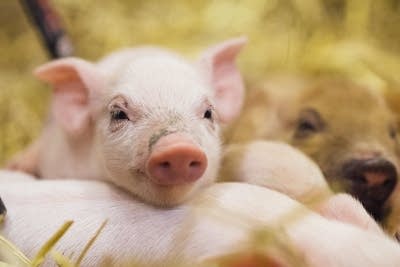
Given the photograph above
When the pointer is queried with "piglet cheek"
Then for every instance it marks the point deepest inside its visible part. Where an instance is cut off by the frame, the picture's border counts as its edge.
(176, 160)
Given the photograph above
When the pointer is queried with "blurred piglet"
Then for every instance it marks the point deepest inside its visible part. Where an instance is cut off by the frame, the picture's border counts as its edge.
(277, 166)
(348, 130)
(283, 168)
(224, 218)
(145, 119)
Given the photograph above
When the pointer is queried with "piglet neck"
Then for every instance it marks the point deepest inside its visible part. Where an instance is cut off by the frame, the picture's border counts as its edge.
(69, 157)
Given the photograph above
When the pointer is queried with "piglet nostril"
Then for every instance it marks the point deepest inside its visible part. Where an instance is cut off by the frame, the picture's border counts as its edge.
(387, 183)
(165, 165)
(195, 164)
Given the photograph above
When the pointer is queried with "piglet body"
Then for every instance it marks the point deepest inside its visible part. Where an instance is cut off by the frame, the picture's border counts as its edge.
(145, 118)
(277, 166)
(217, 221)
(283, 168)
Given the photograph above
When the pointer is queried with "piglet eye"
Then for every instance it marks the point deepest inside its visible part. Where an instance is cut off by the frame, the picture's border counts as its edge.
(309, 122)
(392, 132)
(118, 115)
(306, 126)
(208, 114)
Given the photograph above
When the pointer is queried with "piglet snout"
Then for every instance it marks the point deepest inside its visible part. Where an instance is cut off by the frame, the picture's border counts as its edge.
(176, 159)
(373, 180)
(375, 172)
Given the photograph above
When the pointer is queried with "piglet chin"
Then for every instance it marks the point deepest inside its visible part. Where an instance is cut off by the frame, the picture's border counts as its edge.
(171, 195)
(139, 184)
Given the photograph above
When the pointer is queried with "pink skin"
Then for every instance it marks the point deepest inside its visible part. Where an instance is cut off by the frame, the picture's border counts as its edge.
(219, 220)
(175, 159)
(343, 207)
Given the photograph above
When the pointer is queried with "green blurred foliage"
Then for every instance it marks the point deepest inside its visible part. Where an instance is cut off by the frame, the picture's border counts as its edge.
(358, 38)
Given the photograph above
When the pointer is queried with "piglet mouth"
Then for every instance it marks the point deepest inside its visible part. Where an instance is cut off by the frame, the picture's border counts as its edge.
(143, 176)
(373, 199)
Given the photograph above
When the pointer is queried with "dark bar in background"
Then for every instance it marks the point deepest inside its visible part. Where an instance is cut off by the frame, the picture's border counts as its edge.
(48, 23)
(3, 210)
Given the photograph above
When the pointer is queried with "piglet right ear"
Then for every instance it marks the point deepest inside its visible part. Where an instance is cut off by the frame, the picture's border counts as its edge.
(74, 81)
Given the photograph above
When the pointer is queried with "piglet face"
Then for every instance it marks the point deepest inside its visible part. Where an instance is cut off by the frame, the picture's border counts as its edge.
(350, 132)
(152, 116)
(159, 131)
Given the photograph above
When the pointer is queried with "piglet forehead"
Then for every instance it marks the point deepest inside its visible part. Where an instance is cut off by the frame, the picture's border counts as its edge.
(161, 80)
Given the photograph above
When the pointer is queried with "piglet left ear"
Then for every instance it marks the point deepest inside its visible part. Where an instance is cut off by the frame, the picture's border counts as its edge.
(218, 64)
(75, 82)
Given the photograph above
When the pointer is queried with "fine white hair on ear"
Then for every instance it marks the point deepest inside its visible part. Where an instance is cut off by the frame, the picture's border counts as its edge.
(218, 65)
(73, 81)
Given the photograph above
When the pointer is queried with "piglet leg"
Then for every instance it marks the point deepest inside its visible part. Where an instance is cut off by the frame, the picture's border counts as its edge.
(27, 160)
(344, 208)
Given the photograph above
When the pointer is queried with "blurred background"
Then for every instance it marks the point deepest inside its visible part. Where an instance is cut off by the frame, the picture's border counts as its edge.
(356, 38)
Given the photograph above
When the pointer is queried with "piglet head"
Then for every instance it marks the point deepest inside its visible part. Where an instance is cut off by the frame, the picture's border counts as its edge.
(152, 117)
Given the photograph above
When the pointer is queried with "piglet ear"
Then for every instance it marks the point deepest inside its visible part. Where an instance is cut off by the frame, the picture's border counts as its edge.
(218, 64)
(74, 81)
